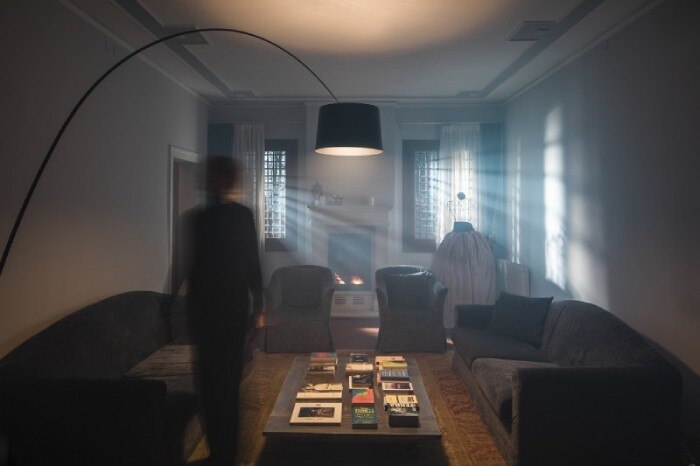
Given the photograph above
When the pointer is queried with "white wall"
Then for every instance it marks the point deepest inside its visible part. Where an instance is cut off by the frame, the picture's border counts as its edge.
(605, 204)
(98, 222)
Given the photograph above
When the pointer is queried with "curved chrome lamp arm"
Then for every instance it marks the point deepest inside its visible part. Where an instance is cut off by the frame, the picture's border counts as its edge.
(56, 139)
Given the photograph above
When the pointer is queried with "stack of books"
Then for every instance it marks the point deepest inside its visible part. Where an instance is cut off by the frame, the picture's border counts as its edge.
(364, 414)
(394, 379)
(360, 381)
(400, 401)
(359, 364)
(322, 368)
(390, 362)
(319, 400)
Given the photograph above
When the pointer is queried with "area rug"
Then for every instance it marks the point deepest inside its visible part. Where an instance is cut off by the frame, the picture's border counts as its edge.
(465, 439)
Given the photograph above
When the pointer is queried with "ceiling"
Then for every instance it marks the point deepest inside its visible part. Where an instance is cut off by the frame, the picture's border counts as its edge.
(394, 50)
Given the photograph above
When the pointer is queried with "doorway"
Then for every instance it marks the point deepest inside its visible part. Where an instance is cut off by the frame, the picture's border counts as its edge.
(186, 195)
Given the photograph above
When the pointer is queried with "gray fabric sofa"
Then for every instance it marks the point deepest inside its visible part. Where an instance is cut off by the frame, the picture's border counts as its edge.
(110, 384)
(593, 393)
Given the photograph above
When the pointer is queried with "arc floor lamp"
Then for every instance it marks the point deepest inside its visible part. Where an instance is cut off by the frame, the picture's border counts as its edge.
(344, 128)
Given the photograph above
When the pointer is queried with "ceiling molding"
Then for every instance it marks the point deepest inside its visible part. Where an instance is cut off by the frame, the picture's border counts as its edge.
(558, 30)
(119, 41)
(152, 25)
(612, 30)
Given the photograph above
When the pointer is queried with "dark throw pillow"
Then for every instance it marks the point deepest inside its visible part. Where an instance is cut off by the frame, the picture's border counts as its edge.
(407, 290)
(520, 317)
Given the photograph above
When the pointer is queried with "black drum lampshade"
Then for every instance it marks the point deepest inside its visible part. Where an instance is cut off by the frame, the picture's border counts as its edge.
(349, 129)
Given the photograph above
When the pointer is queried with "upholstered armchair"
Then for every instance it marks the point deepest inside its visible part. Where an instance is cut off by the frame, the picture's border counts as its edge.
(411, 302)
(298, 310)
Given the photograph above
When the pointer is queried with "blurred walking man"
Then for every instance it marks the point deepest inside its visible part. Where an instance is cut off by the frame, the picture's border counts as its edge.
(225, 271)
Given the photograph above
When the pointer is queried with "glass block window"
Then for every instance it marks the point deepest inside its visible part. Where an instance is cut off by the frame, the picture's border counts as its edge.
(275, 187)
(420, 165)
(425, 167)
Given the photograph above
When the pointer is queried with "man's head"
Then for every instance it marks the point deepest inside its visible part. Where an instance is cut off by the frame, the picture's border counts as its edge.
(222, 176)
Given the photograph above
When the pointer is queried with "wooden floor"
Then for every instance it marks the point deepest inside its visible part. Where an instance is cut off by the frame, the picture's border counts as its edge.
(360, 333)
(354, 333)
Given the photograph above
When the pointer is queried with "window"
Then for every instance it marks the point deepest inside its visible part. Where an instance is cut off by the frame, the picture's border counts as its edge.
(279, 171)
(420, 194)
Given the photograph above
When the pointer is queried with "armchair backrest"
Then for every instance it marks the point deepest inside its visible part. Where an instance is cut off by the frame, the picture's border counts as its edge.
(299, 286)
(380, 274)
(406, 286)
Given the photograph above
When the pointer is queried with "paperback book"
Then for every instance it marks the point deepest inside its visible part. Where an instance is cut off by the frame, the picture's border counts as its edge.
(320, 372)
(324, 357)
(362, 396)
(359, 357)
(320, 391)
(394, 375)
(400, 401)
(390, 400)
(393, 365)
(397, 387)
(411, 400)
(359, 381)
(316, 414)
(358, 368)
(383, 359)
(364, 417)
(403, 417)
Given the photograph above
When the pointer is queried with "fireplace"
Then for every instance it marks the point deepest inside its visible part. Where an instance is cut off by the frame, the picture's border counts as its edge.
(350, 259)
(351, 240)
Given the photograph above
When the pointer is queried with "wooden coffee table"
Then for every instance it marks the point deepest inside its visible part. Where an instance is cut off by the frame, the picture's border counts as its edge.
(278, 422)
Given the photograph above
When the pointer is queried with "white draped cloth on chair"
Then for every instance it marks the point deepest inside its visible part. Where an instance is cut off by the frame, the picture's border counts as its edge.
(464, 263)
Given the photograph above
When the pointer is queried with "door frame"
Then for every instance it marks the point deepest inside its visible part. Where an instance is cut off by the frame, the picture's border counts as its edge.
(175, 155)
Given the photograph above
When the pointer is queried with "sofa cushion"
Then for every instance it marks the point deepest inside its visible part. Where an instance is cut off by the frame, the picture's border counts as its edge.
(170, 360)
(520, 317)
(472, 344)
(585, 334)
(494, 377)
(408, 290)
(176, 365)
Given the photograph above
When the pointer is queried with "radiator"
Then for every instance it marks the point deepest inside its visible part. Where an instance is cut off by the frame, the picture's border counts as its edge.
(513, 278)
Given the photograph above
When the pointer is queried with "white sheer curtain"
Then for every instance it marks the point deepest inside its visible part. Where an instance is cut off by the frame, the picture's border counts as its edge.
(459, 149)
(249, 151)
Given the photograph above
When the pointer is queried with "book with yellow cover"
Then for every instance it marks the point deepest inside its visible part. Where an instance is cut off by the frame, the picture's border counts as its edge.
(383, 359)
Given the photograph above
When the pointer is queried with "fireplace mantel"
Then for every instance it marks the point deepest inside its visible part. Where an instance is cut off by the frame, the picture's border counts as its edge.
(352, 215)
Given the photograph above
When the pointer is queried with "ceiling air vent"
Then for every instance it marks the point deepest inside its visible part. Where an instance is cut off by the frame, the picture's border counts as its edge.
(531, 31)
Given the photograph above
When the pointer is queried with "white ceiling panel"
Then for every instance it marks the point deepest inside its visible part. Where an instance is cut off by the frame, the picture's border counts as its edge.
(403, 50)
